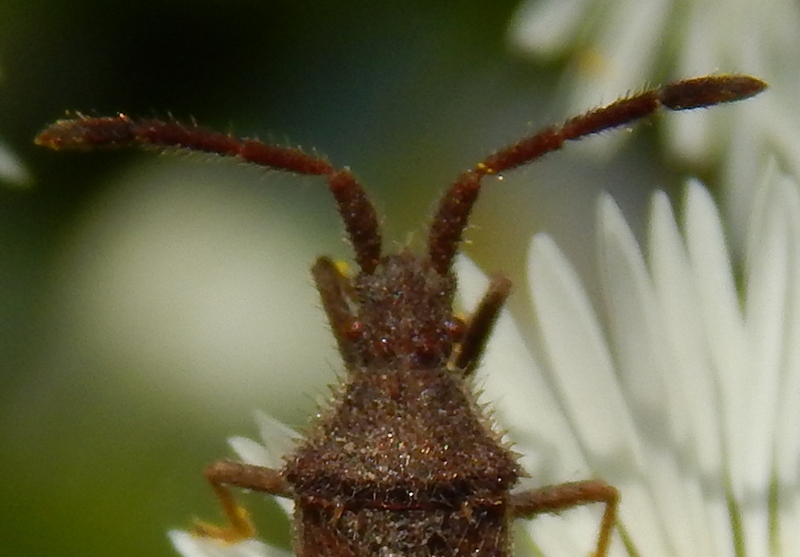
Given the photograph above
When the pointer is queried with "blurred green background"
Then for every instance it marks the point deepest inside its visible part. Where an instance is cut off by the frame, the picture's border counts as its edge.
(150, 304)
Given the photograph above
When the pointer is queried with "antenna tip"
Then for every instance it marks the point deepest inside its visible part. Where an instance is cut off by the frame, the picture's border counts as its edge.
(710, 90)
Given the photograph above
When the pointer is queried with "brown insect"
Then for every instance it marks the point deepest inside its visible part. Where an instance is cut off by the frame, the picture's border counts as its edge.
(403, 461)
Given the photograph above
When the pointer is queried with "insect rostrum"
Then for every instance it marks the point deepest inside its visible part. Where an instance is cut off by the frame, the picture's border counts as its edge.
(403, 461)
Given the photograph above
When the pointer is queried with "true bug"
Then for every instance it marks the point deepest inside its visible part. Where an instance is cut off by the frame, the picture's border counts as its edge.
(403, 461)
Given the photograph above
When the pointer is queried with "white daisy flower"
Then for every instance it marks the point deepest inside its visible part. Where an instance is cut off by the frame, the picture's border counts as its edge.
(622, 45)
(685, 397)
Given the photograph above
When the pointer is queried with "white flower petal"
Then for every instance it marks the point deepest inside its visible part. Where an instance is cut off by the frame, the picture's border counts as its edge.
(721, 318)
(251, 452)
(780, 132)
(525, 404)
(629, 35)
(789, 511)
(700, 454)
(581, 366)
(578, 538)
(787, 449)
(189, 545)
(766, 293)
(546, 26)
(619, 46)
(279, 439)
(691, 371)
(521, 399)
(634, 324)
(724, 333)
(773, 310)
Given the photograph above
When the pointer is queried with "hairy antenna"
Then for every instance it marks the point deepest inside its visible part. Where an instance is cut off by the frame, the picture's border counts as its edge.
(360, 219)
(357, 212)
(456, 205)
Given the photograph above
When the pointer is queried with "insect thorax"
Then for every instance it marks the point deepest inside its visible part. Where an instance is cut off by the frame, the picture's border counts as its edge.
(403, 462)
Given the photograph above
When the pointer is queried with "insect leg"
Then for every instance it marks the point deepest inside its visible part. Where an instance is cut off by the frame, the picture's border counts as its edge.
(480, 325)
(560, 497)
(338, 297)
(225, 473)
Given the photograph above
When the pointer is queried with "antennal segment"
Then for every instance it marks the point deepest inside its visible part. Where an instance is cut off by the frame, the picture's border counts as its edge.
(456, 205)
(360, 219)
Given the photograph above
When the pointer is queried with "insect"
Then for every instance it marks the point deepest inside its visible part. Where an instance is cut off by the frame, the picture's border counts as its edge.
(403, 461)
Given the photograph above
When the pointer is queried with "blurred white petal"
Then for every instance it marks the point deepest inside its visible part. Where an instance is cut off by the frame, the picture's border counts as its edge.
(277, 440)
(520, 396)
(523, 403)
(194, 546)
(620, 46)
(706, 395)
(574, 345)
(546, 27)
